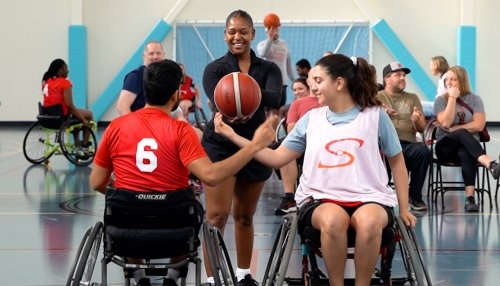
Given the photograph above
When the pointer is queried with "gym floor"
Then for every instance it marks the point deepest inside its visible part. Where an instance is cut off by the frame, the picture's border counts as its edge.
(44, 212)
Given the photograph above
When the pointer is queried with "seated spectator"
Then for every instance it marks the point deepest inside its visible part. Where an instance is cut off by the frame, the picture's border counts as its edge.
(405, 111)
(131, 96)
(190, 95)
(460, 116)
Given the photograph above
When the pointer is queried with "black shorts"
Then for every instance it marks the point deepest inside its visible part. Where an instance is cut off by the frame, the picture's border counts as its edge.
(219, 148)
(306, 212)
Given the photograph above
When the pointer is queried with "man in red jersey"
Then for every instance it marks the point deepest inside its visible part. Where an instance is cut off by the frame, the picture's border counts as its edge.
(148, 150)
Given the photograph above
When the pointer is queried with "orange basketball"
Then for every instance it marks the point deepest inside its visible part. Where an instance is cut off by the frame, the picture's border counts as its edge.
(271, 20)
(237, 95)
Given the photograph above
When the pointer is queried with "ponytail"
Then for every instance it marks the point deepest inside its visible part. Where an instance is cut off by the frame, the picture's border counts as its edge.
(358, 74)
(364, 88)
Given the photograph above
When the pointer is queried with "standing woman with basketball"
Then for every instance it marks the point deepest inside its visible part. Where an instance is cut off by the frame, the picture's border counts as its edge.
(243, 190)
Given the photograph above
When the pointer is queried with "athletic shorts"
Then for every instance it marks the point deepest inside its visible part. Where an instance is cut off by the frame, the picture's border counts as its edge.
(306, 212)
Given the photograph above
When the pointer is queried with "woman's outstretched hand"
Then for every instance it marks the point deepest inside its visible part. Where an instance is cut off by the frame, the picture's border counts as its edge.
(221, 127)
(266, 133)
(263, 136)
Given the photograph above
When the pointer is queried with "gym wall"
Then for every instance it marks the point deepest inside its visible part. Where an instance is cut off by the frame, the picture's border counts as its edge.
(36, 32)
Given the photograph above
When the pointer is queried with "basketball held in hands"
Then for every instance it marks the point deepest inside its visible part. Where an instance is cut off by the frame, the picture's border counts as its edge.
(272, 20)
(237, 95)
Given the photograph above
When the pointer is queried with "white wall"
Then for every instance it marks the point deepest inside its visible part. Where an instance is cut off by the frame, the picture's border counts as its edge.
(34, 33)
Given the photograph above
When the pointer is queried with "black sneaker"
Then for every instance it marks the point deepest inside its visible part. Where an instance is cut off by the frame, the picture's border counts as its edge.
(494, 169)
(143, 282)
(169, 282)
(287, 205)
(417, 205)
(247, 281)
(470, 205)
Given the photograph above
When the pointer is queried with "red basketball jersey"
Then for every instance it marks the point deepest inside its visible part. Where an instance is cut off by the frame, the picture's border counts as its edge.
(149, 150)
(53, 92)
(187, 89)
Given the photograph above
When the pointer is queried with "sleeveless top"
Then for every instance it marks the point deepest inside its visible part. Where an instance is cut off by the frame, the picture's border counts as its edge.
(344, 162)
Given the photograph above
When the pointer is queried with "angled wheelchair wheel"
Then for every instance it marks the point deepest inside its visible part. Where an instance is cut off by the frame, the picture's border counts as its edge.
(281, 130)
(201, 118)
(282, 249)
(38, 143)
(71, 137)
(83, 266)
(412, 256)
(220, 263)
(77, 258)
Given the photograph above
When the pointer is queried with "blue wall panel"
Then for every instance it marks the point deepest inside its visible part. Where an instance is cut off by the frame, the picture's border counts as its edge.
(466, 51)
(398, 50)
(77, 62)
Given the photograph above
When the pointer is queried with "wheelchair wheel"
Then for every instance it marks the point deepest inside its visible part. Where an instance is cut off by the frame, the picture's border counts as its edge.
(281, 130)
(83, 266)
(282, 249)
(71, 136)
(412, 256)
(219, 260)
(77, 258)
(201, 118)
(37, 143)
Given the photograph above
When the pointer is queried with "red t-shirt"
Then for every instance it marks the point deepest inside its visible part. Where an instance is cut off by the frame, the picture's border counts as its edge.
(149, 150)
(300, 107)
(53, 92)
(187, 89)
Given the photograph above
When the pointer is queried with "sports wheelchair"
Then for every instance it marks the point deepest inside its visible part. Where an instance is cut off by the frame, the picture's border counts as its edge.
(54, 133)
(398, 237)
(148, 225)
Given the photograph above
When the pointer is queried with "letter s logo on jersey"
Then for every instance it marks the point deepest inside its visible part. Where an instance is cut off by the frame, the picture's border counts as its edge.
(349, 158)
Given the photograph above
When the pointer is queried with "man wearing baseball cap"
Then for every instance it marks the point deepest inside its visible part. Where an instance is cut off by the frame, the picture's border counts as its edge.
(405, 111)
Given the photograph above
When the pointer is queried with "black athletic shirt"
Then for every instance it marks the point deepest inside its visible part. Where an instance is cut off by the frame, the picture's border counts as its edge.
(267, 75)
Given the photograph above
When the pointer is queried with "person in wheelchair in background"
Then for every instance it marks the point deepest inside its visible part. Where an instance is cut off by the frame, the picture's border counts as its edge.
(57, 90)
(190, 96)
(149, 151)
(344, 182)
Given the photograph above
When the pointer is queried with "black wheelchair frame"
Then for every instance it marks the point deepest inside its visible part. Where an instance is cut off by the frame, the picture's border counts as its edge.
(53, 133)
(146, 226)
(399, 237)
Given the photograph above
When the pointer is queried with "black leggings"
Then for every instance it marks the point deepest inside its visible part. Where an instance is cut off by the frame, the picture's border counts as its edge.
(461, 146)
